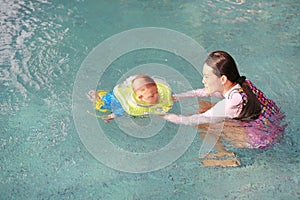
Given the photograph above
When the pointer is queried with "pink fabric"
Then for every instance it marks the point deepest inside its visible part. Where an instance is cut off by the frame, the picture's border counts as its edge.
(262, 135)
(267, 128)
(229, 107)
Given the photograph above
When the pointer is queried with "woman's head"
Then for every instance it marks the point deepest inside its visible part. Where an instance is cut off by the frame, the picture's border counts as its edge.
(220, 64)
(220, 72)
(223, 64)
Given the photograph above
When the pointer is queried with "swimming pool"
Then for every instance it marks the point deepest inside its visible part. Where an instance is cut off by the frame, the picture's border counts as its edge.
(43, 48)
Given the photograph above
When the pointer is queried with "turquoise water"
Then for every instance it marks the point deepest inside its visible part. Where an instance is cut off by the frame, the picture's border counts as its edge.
(42, 47)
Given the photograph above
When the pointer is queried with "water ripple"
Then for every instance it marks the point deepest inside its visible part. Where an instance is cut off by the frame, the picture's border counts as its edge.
(29, 46)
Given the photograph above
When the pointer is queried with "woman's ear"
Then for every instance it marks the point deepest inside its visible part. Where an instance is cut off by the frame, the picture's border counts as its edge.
(223, 79)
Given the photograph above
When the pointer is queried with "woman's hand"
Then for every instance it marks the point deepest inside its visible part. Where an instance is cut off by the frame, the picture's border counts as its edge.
(172, 118)
(174, 98)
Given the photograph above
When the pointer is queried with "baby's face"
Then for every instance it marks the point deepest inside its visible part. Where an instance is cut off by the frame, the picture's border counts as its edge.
(148, 94)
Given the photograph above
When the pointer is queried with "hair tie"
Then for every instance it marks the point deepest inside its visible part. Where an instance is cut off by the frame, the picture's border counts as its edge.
(241, 80)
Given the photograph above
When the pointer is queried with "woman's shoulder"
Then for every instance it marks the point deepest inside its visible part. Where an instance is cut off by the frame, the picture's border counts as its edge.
(234, 92)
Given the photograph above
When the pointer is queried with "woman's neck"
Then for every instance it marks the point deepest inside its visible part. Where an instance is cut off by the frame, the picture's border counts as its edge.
(227, 87)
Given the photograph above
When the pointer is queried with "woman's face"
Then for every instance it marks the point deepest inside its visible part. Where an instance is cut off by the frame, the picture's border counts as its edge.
(211, 81)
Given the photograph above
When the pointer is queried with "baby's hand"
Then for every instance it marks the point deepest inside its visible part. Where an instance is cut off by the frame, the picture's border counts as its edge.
(108, 118)
(93, 96)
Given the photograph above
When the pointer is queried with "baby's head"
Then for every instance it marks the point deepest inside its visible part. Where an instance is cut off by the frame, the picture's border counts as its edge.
(145, 89)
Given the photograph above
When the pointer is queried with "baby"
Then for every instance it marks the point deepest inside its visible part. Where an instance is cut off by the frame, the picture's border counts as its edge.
(138, 95)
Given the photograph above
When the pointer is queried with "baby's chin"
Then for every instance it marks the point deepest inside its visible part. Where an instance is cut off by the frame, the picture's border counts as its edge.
(151, 101)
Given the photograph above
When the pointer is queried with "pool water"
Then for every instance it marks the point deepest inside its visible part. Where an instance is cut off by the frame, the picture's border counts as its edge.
(43, 46)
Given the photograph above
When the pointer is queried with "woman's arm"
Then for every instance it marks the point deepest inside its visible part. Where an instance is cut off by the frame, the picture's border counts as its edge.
(187, 120)
(199, 93)
(226, 108)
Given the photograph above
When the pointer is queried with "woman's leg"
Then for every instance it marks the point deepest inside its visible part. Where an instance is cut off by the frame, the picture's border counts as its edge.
(232, 131)
(235, 134)
(222, 158)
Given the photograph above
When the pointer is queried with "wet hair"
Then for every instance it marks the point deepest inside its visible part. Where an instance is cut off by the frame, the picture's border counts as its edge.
(224, 64)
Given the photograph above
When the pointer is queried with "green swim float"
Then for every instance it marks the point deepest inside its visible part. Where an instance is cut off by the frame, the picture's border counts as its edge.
(134, 107)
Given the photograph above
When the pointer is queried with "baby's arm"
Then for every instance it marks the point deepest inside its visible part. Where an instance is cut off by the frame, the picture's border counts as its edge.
(117, 112)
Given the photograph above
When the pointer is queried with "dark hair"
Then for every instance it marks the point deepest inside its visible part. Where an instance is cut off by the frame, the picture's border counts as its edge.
(224, 64)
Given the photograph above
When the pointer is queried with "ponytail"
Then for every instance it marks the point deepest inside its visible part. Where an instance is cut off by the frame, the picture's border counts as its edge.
(252, 109)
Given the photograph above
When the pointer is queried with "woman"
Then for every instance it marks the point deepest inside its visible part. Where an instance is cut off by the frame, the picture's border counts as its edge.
(242, 102)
